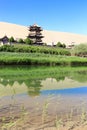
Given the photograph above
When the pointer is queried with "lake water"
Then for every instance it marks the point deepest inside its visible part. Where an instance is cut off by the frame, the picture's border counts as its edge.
(63, 89)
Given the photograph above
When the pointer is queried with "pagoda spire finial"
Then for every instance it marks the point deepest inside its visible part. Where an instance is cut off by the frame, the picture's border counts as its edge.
(35, 25)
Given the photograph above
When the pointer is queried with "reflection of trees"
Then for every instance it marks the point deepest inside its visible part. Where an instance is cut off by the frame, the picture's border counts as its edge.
(20, 81)
(11, 83)
(79, 76)
(34, 87)
(60, 78)
(61, 75)
(33, 79)
(6, 82)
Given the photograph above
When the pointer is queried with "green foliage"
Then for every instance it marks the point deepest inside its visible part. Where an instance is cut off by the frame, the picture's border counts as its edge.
(7, 58)
(79, 50)
(37, 49)
(63, 45)
(20, 40)
(7, 48)
(59, 44)
(11, 39)
(28, 41)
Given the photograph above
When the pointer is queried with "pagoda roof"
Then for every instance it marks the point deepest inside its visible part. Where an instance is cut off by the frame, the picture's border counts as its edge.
(34, 26)
(4, 37)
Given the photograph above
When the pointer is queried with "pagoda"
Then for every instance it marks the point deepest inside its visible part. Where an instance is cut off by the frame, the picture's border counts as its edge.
(35, 34)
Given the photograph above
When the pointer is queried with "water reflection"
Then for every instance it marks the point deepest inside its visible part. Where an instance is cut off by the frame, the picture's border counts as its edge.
(34, 81)
(34, 87)
(68, 91)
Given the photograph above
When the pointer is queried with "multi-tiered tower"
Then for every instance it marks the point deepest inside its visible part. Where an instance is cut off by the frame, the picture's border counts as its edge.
(35, 34)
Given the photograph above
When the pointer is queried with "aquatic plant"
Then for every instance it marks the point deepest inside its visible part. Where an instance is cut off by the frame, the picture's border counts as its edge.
(83, 116)
(58, 122)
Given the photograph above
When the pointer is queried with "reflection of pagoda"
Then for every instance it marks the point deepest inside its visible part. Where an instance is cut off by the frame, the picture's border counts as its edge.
(35, 34)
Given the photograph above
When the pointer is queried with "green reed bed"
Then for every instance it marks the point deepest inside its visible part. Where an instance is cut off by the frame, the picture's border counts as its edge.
(9, 58)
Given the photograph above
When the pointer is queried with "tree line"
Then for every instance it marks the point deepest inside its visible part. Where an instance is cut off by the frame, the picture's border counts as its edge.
(30, 42)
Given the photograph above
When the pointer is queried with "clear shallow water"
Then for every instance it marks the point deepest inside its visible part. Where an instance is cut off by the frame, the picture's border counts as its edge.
(64, 88)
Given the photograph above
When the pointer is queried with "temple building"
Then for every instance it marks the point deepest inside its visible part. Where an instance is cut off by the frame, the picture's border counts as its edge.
(4, 40)
(35, 34)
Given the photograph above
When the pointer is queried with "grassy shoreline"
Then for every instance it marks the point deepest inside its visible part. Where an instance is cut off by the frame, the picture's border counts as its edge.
(18, 58)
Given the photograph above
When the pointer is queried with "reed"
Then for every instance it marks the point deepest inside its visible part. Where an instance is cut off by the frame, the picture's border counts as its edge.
(8, 58)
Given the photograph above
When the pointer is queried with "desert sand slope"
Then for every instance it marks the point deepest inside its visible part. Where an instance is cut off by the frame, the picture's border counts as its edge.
(64, 37)
(18, 31)
(14, 30)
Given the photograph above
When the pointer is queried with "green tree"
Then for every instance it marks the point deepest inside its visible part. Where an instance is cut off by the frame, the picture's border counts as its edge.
(63, 45)
(59, 44)
(11, 39)
(28, 41)
(20, 40)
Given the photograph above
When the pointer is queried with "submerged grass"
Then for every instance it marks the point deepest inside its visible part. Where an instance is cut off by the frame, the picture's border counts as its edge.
(24, 120)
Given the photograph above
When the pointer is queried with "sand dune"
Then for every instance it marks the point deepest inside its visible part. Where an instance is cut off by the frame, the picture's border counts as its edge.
(18, 31)
(14, 30)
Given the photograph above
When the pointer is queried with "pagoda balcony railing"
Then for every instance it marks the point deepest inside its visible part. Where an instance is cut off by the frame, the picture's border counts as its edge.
(35, 35)
(38, 33)
(38, 40)
(39, 36)
(35, 29)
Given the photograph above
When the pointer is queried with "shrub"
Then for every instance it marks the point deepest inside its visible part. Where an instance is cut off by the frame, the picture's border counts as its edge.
(7, 48)
(35, 49)
(59, 44)
(79, 50)
(20, 40)
(28, 41)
